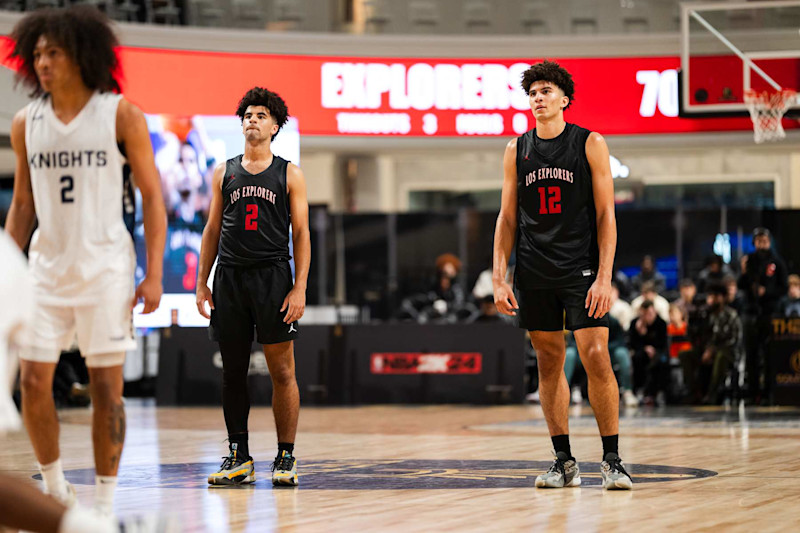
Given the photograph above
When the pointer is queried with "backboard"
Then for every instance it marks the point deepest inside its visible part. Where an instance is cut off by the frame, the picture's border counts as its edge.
(728, 48)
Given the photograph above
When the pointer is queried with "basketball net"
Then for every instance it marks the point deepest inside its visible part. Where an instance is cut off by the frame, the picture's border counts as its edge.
(766, 110)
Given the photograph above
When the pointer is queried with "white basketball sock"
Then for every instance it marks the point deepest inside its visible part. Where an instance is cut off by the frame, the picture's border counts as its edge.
(79, 520)
(55, 483)
(104, 487)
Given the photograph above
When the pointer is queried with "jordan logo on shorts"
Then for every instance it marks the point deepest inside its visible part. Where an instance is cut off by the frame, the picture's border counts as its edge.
(291, 328)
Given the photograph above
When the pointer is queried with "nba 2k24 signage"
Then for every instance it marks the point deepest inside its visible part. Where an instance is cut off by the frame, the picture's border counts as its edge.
(389, 474)
(412, 96)
(784, 352)
(426, 363)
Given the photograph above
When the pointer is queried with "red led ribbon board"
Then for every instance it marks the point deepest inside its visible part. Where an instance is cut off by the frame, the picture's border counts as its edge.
(410, 96)
(426, 363)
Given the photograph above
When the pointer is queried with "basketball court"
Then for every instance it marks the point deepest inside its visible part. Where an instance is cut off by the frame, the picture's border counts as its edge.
(472, 468)
(447, 468)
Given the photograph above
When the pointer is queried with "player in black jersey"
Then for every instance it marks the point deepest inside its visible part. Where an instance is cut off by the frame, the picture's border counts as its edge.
(558, 201)
(256, 196)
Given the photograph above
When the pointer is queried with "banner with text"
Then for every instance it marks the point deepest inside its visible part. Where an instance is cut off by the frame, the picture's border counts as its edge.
(411, 96)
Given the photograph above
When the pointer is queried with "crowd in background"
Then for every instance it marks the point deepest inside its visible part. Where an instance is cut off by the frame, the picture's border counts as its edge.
(703, 343)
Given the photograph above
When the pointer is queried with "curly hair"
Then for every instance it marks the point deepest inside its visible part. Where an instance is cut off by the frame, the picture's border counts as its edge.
(552, 72)
(84, 33)
(272, 101)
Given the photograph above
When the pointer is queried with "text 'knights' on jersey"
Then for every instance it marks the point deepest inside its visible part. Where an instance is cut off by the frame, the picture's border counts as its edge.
(557, 237)
(82, 195)
(255, 214)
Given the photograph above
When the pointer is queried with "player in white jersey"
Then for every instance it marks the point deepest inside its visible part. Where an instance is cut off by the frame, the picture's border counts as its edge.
(71, 143)
(21, 505)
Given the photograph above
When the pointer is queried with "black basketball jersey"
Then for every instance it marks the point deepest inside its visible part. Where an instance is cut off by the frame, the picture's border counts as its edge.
(255, 214)
(557, 234)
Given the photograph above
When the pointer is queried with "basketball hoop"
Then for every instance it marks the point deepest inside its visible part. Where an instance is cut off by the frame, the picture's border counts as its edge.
(767, 109)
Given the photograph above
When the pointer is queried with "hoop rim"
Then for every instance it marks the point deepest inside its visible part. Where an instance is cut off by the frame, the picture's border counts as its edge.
(766, 97)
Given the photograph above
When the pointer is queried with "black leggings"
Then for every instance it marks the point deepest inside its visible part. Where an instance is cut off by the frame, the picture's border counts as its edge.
(235, 399)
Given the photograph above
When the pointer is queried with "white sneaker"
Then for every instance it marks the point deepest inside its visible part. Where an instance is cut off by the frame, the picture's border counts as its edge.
(532, 397)
(577, 397)
(150, 524)
(629, 399)
(563, 473)
(69, 498)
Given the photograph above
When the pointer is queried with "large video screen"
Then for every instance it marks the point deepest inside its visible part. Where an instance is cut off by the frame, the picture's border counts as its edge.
(187, 149)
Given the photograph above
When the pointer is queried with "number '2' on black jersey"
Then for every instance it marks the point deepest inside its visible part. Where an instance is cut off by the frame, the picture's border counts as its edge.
(255, 214)
(557, 234)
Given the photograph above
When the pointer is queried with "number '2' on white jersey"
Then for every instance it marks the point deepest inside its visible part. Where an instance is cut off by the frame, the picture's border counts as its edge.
(82, 246)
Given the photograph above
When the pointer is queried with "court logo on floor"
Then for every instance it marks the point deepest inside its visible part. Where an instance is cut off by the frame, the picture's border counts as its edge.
(386, 474)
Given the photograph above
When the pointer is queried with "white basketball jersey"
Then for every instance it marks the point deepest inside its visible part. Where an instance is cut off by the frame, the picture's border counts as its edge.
(16, 316)
(82, 245)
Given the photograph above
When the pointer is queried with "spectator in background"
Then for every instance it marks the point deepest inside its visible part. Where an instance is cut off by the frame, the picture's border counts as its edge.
(647, 339)
(623, 283)
(659, 302)
(677, 331)
(620, 361)
(725, 340)
(620, 309)
(487, 311)
(735, 299)
(725, 337)
(714, 271)
(444, 302)
(651, 274)
(790, 304)
(762, 282)
(686, 300)
(445, 289)
(698, 331)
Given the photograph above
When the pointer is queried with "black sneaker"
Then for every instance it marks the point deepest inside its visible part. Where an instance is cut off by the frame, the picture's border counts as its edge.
(614, 475)
(234, 470)
(284, 469)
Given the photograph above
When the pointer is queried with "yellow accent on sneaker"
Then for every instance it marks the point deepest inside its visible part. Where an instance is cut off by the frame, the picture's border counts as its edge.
(242, 473)
(282, 476)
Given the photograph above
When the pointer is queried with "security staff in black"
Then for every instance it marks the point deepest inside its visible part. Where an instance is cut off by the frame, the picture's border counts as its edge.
(256, 198)
(557, 211)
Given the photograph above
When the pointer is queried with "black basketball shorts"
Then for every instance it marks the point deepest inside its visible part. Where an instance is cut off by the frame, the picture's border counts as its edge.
(251, 297)
(557, 308)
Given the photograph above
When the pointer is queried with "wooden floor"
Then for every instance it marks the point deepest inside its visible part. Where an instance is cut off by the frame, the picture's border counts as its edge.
(449, 468)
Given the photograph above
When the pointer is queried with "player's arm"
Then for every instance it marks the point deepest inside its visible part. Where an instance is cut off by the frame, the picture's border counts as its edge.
(505, 232)
(598, 300)
(22, 214)
(132, 132)
(295, 301)
(209, 247)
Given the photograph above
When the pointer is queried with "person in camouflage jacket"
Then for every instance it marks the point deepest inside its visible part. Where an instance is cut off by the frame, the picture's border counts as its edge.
(724, 340)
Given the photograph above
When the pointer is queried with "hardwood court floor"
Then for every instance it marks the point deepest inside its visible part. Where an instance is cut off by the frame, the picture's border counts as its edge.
(451, 468)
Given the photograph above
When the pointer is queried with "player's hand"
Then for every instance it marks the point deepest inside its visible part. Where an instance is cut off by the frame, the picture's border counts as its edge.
(598, 299)
(294, 304)
(504, 299)
(150, 291)
(203, 296)
(708, 356)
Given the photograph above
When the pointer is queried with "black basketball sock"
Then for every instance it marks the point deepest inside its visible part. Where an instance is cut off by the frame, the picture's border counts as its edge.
(242, 445)
(235, 399)
(561, 444)
(288, 447)
(610, 445)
